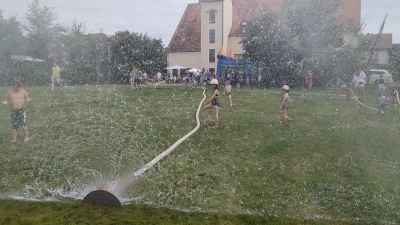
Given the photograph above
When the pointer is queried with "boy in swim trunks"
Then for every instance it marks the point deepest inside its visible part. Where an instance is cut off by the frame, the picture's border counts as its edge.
(16, 98)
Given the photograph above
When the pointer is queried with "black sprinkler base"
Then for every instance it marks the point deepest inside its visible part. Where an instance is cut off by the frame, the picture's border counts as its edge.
(101, 197)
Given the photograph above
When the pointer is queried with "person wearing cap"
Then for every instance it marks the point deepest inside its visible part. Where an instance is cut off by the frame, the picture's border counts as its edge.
(16, 98)
(285, 103)
(212, 102)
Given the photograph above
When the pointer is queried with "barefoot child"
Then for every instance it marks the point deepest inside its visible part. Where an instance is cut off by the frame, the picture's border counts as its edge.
(285, 103)
(382, 99)
(228, 91)
(212, 102)
(17, 97)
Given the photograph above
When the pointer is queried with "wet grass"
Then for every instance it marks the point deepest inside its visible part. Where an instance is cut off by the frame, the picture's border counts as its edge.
(335, 163)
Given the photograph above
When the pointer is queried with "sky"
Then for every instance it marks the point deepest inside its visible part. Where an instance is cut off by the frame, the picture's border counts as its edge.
(159, 18)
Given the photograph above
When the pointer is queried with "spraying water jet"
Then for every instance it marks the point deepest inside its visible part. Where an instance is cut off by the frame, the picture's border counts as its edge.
(107, 196)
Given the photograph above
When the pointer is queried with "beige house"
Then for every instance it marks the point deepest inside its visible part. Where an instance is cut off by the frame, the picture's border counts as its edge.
(379, 46)
(213, 26)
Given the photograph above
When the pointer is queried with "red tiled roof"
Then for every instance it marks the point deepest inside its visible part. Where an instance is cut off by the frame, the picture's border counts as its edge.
(349, 12)
(384, 42)
(245, 10)
(187, 36)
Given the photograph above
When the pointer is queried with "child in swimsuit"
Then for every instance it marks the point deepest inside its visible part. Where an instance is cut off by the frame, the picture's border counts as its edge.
(132, 77)
(285, 103)
(228, 90)
(382, 99)
(212, 102)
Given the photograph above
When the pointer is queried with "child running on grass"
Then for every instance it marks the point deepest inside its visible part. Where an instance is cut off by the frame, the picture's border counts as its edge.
(285, 103)
(228, 91)
(212, 102)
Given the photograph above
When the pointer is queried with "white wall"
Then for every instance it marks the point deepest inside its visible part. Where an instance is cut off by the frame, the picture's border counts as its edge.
(383, 57)
(234, 45)
(189, 59)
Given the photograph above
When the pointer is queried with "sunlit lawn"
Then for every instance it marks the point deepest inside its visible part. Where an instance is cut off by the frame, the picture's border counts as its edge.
(337, 162)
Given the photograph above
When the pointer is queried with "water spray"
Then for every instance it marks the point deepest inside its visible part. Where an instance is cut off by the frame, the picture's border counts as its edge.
(106, 196)
(176, 144)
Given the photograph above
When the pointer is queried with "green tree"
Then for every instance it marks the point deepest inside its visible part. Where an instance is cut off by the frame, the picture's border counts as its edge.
(307, 35)
(11, 39)
(320, 36)
(84, 56)
(42, 31)
(314, 25)
(267, 43)
(132, 49)
(395, 55)
(10, 36)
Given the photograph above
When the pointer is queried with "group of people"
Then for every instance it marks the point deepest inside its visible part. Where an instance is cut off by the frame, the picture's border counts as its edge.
(17, 96)
(358, 82)
(213, 101)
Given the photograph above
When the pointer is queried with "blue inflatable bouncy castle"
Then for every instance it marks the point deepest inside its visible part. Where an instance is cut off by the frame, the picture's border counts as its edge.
(237, 70)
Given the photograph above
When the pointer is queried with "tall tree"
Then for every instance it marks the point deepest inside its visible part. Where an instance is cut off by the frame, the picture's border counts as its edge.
(133, 49)
(84, 55)
(267, 43)
(42, 30)
(313, 24)
(320, 36)
(307, 35)
(10, 36)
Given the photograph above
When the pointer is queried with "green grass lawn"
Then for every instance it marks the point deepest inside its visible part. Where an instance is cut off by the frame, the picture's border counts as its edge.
(337, 162)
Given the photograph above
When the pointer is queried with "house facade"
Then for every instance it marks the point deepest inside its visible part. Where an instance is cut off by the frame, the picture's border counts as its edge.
(380, 46)
(212, 26)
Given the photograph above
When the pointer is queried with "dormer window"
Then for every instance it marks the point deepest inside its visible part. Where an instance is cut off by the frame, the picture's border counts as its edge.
(243, 25)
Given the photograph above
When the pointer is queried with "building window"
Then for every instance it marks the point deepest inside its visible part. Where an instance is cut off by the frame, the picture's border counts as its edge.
(212, 71)
(212, 35)
(243, 25)
(211, 56)
(212, 15)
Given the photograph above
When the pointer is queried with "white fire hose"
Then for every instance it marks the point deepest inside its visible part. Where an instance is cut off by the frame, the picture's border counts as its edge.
(176, 144)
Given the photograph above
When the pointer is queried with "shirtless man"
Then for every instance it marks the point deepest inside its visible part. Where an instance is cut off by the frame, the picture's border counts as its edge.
(16, 98)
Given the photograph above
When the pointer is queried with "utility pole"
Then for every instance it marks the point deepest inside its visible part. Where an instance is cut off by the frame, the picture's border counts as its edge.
(373, 49)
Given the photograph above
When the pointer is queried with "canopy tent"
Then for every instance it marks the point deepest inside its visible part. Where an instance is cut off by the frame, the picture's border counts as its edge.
(175, 67)
(194, 70)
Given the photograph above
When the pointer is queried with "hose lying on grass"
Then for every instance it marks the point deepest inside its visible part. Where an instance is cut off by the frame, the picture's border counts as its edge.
(360, 102)
(176, 144)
